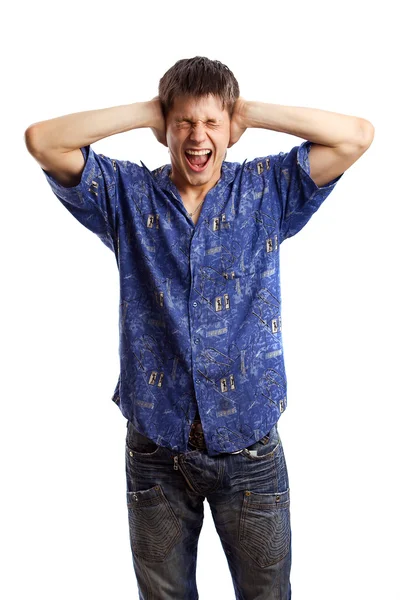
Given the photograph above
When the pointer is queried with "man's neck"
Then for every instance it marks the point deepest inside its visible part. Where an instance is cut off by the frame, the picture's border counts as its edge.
(193, 193)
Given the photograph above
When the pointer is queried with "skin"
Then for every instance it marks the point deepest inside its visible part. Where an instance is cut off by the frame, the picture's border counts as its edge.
(337, 140)
(198, 123)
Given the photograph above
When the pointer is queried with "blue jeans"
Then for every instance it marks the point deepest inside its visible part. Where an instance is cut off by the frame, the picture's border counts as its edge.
(248, 494)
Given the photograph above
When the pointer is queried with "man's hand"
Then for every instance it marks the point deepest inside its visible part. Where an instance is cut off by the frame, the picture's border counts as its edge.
(158, 122)
(238, 121)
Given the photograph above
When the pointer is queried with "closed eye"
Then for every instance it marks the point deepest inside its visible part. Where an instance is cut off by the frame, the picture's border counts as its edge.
(210, 122)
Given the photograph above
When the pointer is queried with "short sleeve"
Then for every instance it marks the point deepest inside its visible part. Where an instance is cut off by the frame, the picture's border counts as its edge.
(93, 202)
(299, 196)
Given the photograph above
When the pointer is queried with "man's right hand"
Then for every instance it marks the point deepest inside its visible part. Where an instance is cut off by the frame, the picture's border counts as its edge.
(158, 121)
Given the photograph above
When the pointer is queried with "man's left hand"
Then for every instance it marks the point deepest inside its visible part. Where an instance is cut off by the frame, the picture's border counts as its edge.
(238, 121)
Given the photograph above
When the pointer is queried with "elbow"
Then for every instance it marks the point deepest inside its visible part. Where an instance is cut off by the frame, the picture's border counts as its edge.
(29, 137)
(367, 133)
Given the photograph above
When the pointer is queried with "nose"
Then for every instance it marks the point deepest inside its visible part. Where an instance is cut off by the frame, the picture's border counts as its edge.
(198, 133)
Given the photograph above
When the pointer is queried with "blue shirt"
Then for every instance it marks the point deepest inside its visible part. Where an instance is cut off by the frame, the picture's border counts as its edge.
(200, 304)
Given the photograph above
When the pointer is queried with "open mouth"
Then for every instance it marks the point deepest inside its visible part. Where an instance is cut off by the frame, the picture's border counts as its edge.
(198, 162)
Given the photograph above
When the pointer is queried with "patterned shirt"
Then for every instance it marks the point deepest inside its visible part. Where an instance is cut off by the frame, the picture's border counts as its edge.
(200, 325)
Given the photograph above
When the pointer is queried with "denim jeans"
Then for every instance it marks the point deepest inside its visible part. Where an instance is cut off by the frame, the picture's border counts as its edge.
(248, 494)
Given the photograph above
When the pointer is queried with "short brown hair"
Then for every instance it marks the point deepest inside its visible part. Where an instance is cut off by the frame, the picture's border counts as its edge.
(197, 77)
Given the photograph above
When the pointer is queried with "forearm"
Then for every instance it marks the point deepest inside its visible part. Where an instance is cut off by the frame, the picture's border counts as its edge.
(80, 129)
(318, 126)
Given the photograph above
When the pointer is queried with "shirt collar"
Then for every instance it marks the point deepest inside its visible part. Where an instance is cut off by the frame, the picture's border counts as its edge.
(161, 175)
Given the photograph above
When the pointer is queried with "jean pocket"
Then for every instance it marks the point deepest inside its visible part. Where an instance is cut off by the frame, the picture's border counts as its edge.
(265, 448)
(137, 443)
(265, 527)
(153, 526)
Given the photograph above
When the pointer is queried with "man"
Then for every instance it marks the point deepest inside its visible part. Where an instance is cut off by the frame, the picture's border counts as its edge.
(202, 381)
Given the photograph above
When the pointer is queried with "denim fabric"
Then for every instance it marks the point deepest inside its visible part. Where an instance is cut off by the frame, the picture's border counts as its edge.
(200, 304)
(249, 497)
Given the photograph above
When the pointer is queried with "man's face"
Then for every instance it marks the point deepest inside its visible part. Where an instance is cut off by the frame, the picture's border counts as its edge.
(197, 124)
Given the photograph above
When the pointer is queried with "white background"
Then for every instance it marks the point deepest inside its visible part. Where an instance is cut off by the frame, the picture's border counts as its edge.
(64, 528)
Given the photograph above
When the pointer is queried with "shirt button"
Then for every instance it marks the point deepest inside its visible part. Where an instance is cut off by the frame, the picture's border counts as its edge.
(195, 303)
(196, 341)
(197, 380)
